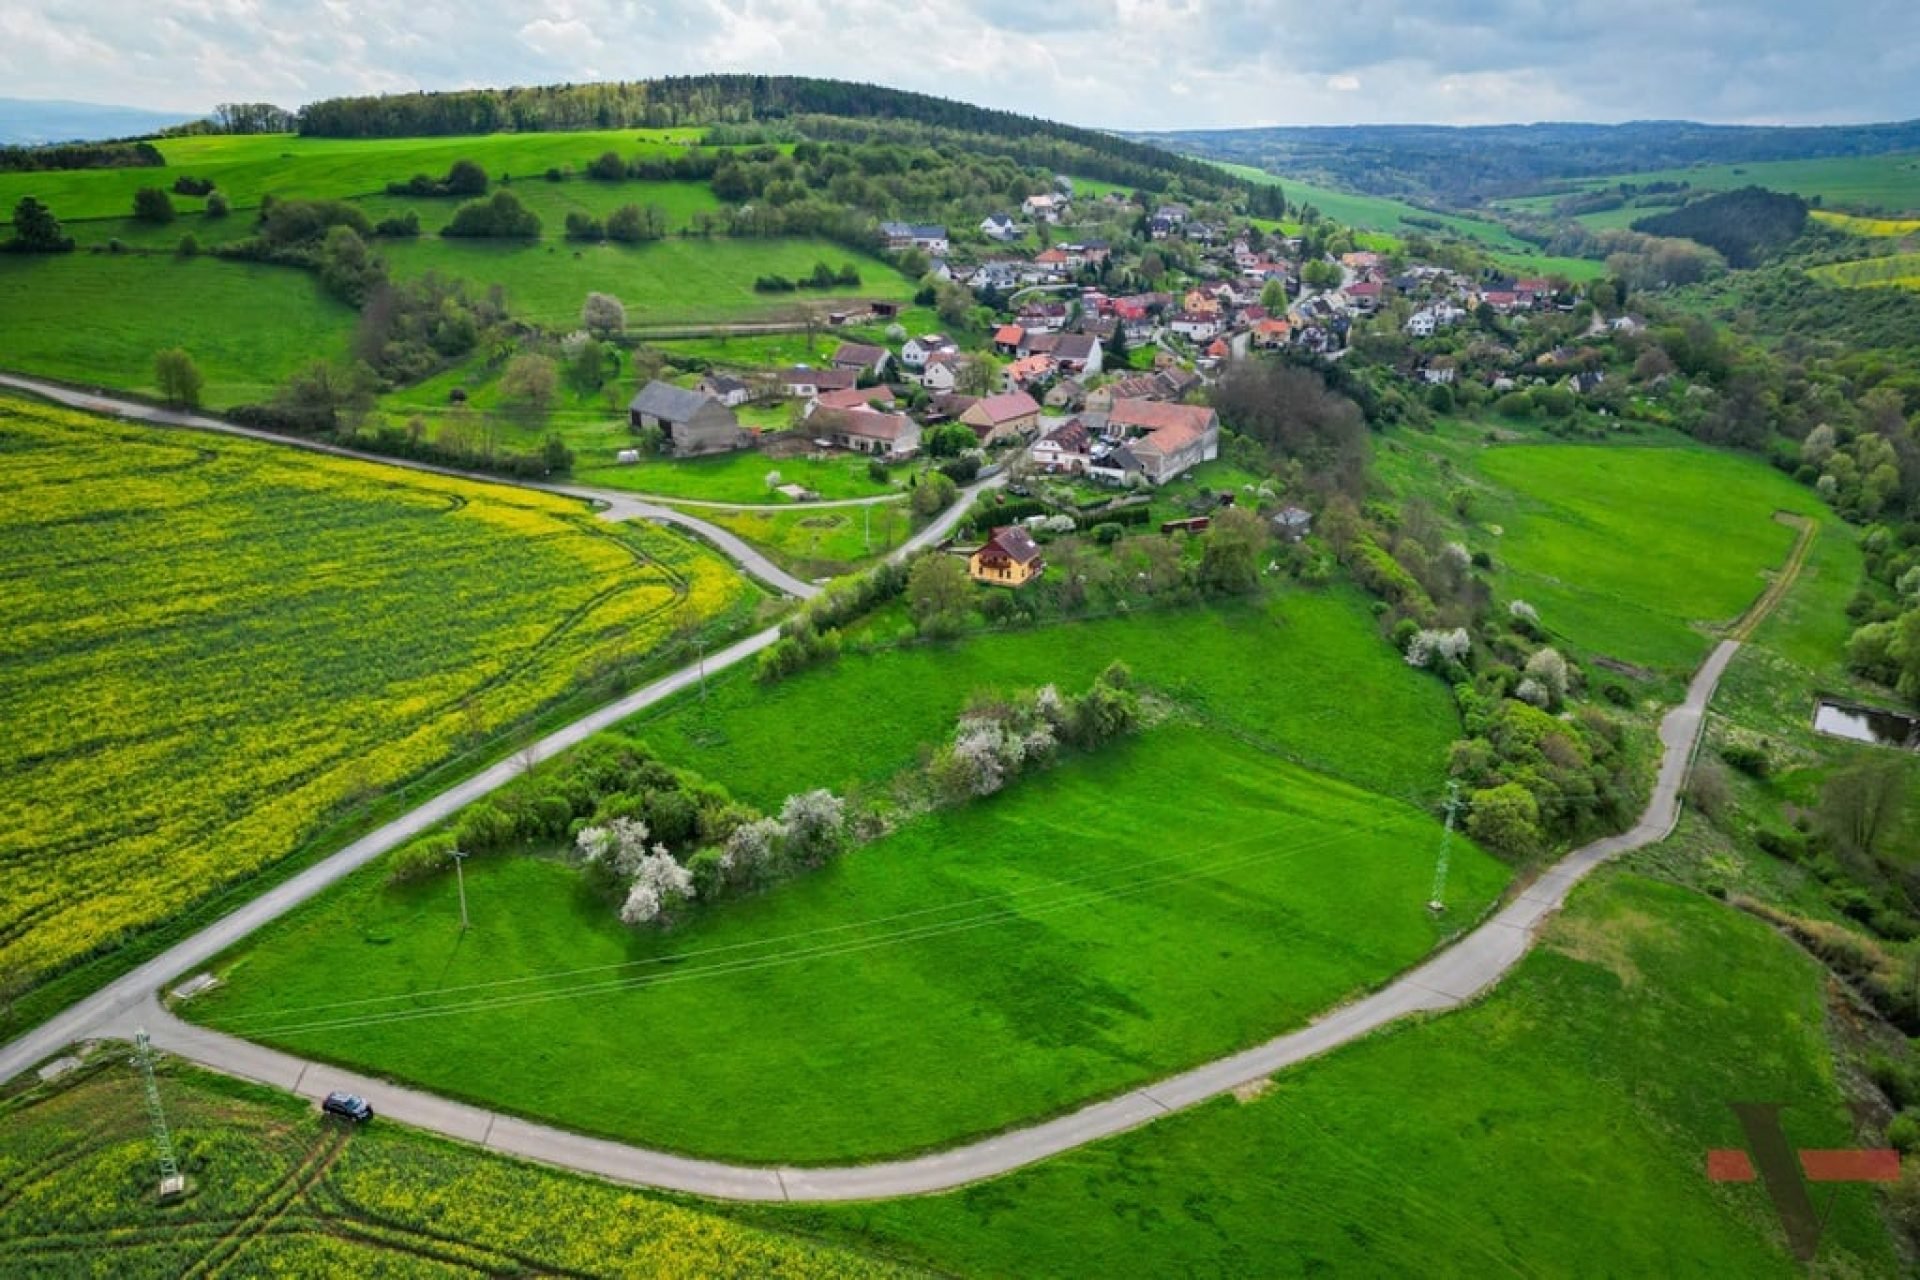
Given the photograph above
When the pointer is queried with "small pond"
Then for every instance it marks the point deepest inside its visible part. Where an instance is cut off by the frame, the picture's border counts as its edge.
(1856, 723)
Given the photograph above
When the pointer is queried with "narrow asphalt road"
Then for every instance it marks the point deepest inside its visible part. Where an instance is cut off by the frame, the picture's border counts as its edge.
(1448, 979)
(104, 1010)
(1445, 981)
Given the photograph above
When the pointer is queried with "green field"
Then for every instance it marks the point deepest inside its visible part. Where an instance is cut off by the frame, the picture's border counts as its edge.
(821, 543)
(246, 168)
(1631, 552)
(217, 647)
(1882, 184)
(99, 319)
(1398, 219)
(980, 967)
(671, 281)
(1321, 685)
(1559, 1127)
(275, 1190)
(1119, 941)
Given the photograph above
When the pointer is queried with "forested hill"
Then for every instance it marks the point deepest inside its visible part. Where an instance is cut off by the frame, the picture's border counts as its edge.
(1465, 165)
(794, 101)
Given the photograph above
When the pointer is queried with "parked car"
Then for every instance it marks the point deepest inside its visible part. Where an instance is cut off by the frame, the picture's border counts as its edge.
(347, 1106)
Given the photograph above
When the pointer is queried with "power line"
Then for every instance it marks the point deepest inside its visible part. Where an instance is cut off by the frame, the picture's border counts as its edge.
(848, 947)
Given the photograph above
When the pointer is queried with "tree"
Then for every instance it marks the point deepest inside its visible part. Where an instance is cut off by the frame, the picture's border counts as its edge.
(1320, 274)
(1860, 804)
(466, 178)
(977, 376)
(317, 394)
(1231, 550)
(1116, 347)
(1273, 296)
(217, 206)
(151, 204)
(948, 440)
(816, 826)
(631, 223)
(934, 494)
(1550, 669)
(528, 385)
(608, 167)
(938, 592)
(178, 378)
(603, 315)
(36, 230)
(1505, 819)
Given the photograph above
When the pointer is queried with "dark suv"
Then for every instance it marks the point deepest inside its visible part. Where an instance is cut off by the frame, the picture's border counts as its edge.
(348, 1106)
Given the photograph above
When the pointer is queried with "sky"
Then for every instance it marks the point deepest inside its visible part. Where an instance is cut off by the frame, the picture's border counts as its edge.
(1119, 64)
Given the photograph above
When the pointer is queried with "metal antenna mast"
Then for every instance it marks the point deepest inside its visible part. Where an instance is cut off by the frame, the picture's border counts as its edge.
(171, 1183)
(1438, 902)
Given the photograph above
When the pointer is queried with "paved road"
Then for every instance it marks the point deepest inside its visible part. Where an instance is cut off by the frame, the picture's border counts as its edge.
(105, 1010)
(1451, 978)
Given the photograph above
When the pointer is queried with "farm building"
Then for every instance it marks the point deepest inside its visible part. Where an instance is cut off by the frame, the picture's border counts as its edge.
(1003, 417)
(693, 423)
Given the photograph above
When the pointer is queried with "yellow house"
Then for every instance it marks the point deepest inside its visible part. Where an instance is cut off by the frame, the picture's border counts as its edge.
(1010, 558)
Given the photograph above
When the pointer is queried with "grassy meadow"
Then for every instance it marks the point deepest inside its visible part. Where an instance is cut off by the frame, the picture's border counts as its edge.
(273, 1189)
(246, 168)
(1558, 1127)
(1637, 552)
(217, 647)
(98, 319)
(979, 967)
(816, 543)
(1884, 184)
(1054, 944)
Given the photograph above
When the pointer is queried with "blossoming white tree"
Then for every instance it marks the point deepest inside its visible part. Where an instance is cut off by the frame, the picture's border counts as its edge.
(816, 825)
(659, 885)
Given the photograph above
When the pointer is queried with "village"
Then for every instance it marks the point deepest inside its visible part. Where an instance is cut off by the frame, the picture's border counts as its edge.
(1059, 356)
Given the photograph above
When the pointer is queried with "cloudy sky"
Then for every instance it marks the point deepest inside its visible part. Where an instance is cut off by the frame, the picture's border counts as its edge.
(1136, 64)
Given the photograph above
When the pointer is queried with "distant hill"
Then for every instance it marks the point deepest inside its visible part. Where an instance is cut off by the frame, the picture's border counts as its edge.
(31, 121)
(1468, 165)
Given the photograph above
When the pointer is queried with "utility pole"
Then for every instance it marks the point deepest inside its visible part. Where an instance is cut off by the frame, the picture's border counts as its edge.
(869, 513)
(171, 1183)
(1438, 902)
(700, 646)
(460, 877)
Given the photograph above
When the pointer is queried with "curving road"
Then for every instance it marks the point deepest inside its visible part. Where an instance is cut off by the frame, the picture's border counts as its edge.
(611, 504)
(1450, 978)
(1447, 980)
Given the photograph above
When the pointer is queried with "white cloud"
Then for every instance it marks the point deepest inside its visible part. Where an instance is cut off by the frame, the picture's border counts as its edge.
(1117, 63)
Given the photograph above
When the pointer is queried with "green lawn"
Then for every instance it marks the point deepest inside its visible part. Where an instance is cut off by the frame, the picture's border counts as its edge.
(821, 543)
(1559, 1127)
(1306, 671)
(1885, 183)
(1631, 552)
(246, 168)
(99, 319)
(1089, 929)
(670, 281)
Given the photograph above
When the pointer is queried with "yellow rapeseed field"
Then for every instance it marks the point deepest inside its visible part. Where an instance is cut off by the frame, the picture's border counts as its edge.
(215, 645)
(1877, 228)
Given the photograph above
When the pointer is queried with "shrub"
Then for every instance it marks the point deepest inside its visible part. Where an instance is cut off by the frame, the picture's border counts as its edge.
(151, 204)
(1749, 758)
(420, 859)
(502, 216)
(483, 827)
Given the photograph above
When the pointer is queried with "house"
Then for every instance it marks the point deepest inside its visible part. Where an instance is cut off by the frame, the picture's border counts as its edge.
(1196, 326)
(1043, 317)
(1027, 371)
(1067, 394)
(1116, 466)
(808, 383)
(691, 422)
(851, 398)
(1427, 321)
(1365, 295)
(869, 431)
(1044, 208)
(1501, 300)
(1170, 438)
(1010, 558)
(913, 355)
(1270, 334)
(942, 372)
(998, 226)
(905, 235)
(1014, 414)
(859, 358)
(729, 391)
(1067, 448)
(1007, 339)
(1173, 213)
(1078, 353)
(947, 406)
(1218, 351)
(1293, 523)
(1056, 257)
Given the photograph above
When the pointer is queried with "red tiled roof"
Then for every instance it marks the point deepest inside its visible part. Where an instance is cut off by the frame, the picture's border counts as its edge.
(1010, 334)
(1013, 542)
(1007, 407)
(854, 397)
